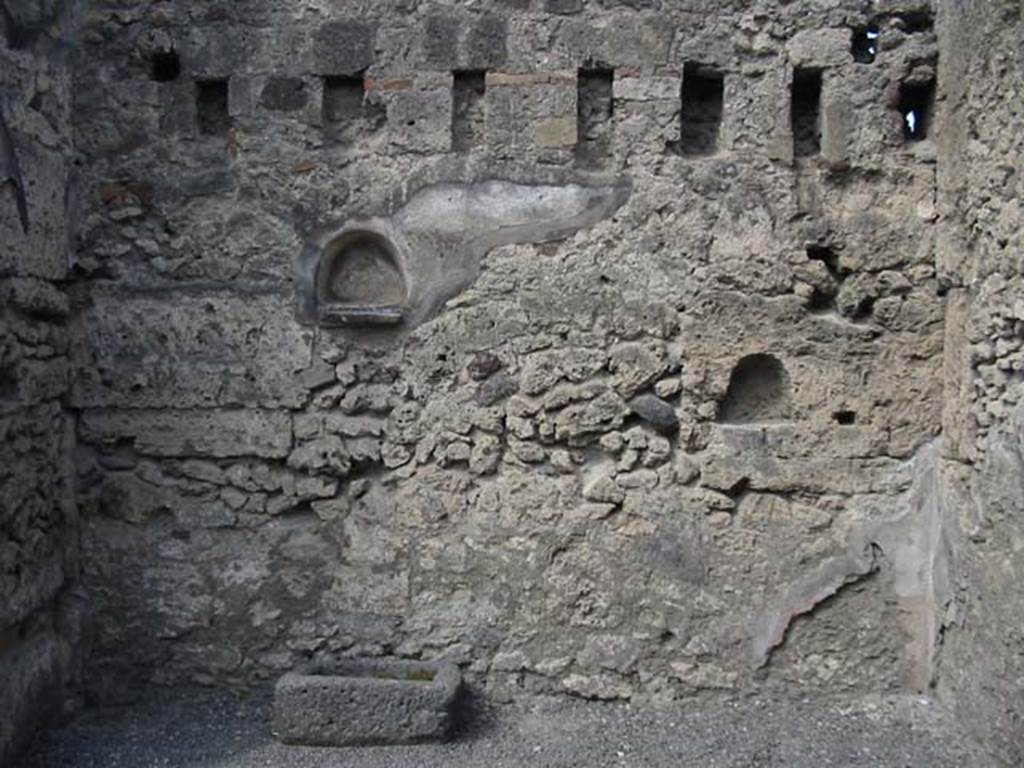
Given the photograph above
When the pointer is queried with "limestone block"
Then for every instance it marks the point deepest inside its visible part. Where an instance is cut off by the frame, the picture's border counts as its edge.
(419, 111)
(366, 702)
(343, 47)
(484, 46)
(555, 132)
(218, 434)
(819, 48)
(529, 111)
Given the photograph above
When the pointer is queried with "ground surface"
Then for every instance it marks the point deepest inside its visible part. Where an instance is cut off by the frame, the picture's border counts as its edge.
(216, 730)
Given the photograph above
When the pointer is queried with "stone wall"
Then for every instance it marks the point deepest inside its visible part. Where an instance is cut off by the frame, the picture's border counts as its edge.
(620, 349)
(980, 261)
(38, 519)
(595, 346)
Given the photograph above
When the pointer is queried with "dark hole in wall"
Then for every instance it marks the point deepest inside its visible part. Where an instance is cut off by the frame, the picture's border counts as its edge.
(864, 45)
(805, 112)
(165, 66)
(362, 271)
(917, 101)
(822, 301)
(343, 99)
(468, 89)
(212, 107)
(826, 256)
(758, 391)
(594, 107)
(703, 99)
(865, 308)
(916, 22)
(739, 488)
(823, 298)
(8, 385)
(8, 29)
(845, 418)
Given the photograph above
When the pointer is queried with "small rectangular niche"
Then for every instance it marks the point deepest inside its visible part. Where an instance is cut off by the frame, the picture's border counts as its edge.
(468, 89)
(165, 66)
(917, 102)
(594, 112)
(864, 44)
(212, 116)
(703, 99)
(343, 101)
(805, 112)
(8, 385)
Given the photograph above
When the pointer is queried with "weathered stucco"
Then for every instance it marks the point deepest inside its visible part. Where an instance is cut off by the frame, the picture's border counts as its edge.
(627, 350)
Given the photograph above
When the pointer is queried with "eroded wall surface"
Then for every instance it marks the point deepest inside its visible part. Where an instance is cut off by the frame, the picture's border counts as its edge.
(686, 445)
(38, 519)
(980, 259)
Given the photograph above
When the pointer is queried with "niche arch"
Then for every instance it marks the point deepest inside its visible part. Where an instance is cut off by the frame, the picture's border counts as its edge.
(355, 276)
(759, 391)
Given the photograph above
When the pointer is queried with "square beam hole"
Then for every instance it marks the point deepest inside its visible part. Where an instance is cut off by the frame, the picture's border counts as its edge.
(703, 100)
(165, 66)
(212, 115)
(468, 89)
(805, 112)
(343, 99)
(864, 45)
(917, 102)
(594, 107)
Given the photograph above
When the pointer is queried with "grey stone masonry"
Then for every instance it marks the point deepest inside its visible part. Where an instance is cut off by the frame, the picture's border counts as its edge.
(363, 702)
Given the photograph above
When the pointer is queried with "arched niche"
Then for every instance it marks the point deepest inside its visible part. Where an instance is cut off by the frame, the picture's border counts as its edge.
(759, 391)
(359, 279)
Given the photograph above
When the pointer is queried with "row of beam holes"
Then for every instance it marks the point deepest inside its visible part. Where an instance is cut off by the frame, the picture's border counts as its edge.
(703, 102)
(344, 103)
(702, 97)
(915, 106)
(213, 117)
(916, 99)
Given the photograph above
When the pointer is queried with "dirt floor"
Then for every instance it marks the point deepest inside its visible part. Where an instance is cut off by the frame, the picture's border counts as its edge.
(210, 729)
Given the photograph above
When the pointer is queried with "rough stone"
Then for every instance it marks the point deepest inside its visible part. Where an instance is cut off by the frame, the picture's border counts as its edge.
(343, 47)
(285, 94)
(366, 702)
(657, 412)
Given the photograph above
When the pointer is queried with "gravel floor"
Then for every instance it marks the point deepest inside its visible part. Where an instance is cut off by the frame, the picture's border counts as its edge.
(193, 729)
